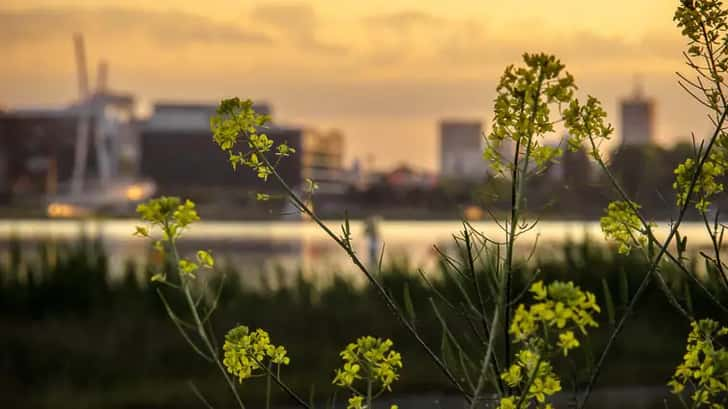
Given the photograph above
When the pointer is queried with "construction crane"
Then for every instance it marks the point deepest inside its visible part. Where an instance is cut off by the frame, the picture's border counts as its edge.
(95, 110)
(82, 128)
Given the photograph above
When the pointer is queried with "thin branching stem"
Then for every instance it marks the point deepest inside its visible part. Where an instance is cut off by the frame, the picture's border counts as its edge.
(481, 302)
(517, 186)
(646, 280)
(201, 330)
(647, 230)
(486, 359)
(713, 233)
(388, 300)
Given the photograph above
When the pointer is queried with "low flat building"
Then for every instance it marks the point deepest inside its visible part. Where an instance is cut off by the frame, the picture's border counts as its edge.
(39, 147)
(179, 154)
(36, 150)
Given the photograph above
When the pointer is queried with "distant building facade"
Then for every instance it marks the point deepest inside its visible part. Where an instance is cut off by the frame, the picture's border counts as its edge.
(178, 153)
(39, 148)
(461, 149)
(576, 167)
(572, 168)
(638, 120)
(36, 149)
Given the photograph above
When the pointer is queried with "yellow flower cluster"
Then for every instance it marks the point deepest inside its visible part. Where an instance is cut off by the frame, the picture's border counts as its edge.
(526, 97)
(172, 217)
(188, 268)
(245, 352)
(370, 360)
(357, 402)
(704, 366)
(707, 185)
(544, 383)
(560, 308)
(167, 213)
(236, 119)
(511, 403)
(621, 224)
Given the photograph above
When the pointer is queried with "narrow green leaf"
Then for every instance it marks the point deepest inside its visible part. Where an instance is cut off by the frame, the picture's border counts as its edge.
(609, 300)
(688, 299)
(408, 305)
(623, 288)
(446, 351)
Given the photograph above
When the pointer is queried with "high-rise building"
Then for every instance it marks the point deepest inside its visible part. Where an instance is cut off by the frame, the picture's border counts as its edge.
(461, 149)
(638, 119)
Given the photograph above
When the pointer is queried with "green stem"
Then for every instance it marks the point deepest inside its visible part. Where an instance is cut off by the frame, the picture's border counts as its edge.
(369, 394)
(517, 187)
(529, 382)
(267, 388)
(483, 312)
(388, 300)
(650, 236)
(202, 332)
(645, 282)
(515, 201)
(716, 249)
(486, 358)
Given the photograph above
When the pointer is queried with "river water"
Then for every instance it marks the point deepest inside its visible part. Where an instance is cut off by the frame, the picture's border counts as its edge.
(255, 247)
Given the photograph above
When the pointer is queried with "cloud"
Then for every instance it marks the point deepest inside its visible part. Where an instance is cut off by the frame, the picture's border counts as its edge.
(297, 22)
(471, 45)
(170, 28)
(403, 20)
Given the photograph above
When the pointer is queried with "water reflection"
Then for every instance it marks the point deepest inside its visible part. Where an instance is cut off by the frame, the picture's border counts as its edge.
(255, 247)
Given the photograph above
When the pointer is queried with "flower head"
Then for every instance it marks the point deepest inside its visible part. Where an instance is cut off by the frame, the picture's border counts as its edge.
(246, 352)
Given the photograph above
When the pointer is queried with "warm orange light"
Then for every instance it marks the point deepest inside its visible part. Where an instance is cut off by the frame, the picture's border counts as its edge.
(473, 213)
(134, 193)
(61, 210)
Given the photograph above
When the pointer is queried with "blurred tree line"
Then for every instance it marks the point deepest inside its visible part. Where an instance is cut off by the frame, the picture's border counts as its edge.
(571, 189)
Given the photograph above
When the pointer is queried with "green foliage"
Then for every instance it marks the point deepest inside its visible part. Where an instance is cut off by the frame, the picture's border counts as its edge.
(705, 366)
(246, 353)
(369, 361)
(703, 22)
(523, 108)
(706, 185)
(188, 268)
(75, 301)
(624, 226)
(172, 216)
(235, 120)
(205, 259)
(167, 213)
(545, 330)
(587, 122)
(562, 312)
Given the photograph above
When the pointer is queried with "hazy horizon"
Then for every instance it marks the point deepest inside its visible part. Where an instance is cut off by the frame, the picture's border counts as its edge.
(383, 72)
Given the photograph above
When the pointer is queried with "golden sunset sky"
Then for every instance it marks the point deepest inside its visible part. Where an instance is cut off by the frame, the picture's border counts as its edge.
(382, 71)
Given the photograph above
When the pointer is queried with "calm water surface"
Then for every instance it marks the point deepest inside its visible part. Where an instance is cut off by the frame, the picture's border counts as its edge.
(254, 247)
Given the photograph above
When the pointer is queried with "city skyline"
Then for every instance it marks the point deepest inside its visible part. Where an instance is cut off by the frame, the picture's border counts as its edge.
(384, 73)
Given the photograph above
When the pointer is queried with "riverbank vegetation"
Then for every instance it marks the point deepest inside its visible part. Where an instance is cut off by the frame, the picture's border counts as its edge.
(74, 338)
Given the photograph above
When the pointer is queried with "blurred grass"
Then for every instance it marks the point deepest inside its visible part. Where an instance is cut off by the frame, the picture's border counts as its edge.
(71, 339)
